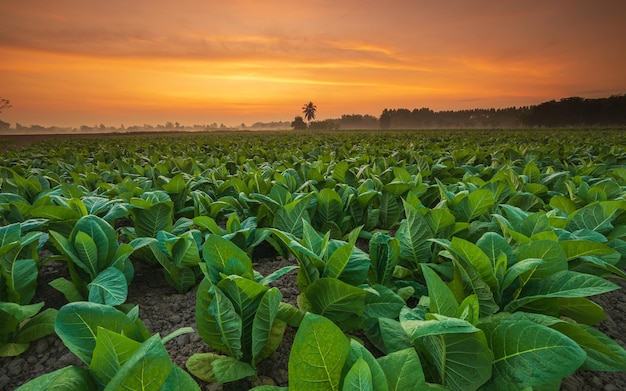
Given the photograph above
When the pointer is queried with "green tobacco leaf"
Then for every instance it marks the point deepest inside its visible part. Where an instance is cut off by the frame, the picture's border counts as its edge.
(434, 324)
(563, 284)
(442, 300)
(109, 287)
(597, 216)
(77, 326)
(580, 248)
(101, 234)
(147, 369)
(603, 354)
(226, 322)
(68, 289)
(199, 365)
(37, 327)
(178, 379)
(290, 217)
(217, 252)
(462, 360)
(384, 255)
(22, 280)
(472, 254)
(68, 378)
(88, 252)
(550, 251)
(527, 354)
(476, 204)
(317, 356)
(112, 351)
(264, 321)
(359, 353)
(413, 235)
(336, 300)
(228, 369)
(403, 370)
(581, 309)
(155, 218)
(358, 378)
(386, 303)
(329, 208)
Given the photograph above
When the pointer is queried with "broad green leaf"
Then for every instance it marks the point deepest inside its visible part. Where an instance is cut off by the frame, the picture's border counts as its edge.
(359, 353)
(217, 252)
(155, 218)
(476, 204)
(37, 327)
(68, 378)
(103, 236)
(112, 351)
(527, 354)
(77, 326)
(68, 289)
(439, 220)
(461, 360)
(434, 324)
(329, 208)
(317, 356)
(403, 370)
(290, 217)
(413, 235)
(21, 312)
(22, 280)
(581, 309)
(264, 321)
(88, 252)
(597, 216)
(178, 379)
(109, 287)
(603, 354)
(385, 303)
(384, 254)
(199, 365)
(225, 324)
(580, 248)
(550, 251)
(525, 266)
(472, 254)
(228, 369)
(147, 369)
(442, 300)
(358, 378)
(563, 284)
(336, 300)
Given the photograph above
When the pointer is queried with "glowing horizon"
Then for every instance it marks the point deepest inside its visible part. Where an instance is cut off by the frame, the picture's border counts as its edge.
(71, 63)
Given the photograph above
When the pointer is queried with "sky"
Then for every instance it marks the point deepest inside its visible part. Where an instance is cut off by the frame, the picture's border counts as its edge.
(75, 62)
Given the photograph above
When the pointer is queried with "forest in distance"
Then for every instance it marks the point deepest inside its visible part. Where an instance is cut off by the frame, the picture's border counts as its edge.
(566, 112)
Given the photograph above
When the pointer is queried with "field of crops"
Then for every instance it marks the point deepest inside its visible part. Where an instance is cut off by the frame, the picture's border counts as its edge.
(460, 260)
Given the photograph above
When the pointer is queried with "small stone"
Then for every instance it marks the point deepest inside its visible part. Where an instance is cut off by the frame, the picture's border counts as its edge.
(4, 381)
(41, 346)
(611, 387)
(16, 366)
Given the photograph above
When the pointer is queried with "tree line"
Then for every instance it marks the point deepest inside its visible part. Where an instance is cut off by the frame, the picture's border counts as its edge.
(567, 112)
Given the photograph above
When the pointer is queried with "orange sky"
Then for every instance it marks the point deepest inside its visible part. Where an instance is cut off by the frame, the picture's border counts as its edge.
(74, 62)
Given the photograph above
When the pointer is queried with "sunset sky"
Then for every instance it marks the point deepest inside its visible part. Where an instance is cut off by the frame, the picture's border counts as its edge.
(75, 62)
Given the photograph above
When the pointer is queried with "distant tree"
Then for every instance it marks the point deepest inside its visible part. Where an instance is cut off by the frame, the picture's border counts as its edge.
(6, 104)
(309, 110)
(298, 123)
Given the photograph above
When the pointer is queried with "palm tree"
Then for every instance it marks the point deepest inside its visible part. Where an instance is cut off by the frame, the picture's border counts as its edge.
(309, 111)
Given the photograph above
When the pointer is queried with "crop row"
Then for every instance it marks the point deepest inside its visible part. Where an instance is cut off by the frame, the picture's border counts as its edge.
(465, 259)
